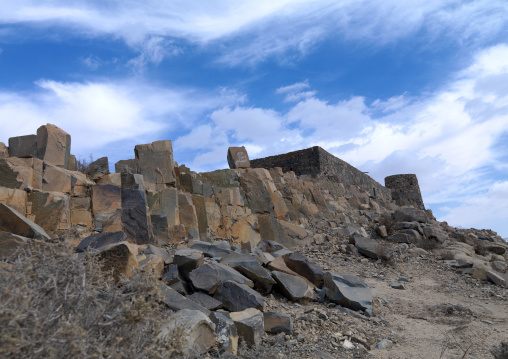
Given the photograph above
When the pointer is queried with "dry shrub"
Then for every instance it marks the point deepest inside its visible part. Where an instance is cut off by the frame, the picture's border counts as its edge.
(83, 165)
(387, 220)
(501, 351)
(55, 305)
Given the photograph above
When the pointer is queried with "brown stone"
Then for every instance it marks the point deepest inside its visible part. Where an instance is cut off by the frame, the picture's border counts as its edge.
(238, 157)
(73, 163)
(106, 198)
(23, 146)
(155, 162)
(10, 243)
(278, 323)
(165, 203)
(56, 180)
(250, 325)
(37, 167)
(244, 231)
(119, 257)
(15, 173)
(50, 210)
(127, 166)
(112, 178)
(53, 145)
(99, 168)
(14, 198)
(14, 222)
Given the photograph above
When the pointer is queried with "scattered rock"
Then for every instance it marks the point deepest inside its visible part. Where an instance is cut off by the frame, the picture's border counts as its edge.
(348, 290)
(250, 325)
(278, 323)
(292, 287)
(187, 260)
(210, 275)
(237, 297)
(12, 221)
(396, 285)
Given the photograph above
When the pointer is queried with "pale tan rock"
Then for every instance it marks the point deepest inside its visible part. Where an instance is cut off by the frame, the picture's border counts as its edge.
(73, 163)
(112, 178)
(152, 263)
(14, 222)
(155, 162)
(56, 179)
(213, 215)
(81, 211)
(37, 166)
(14, 198)
(53, 145)
(106, 198)
(243, 231)
(119, 257)
(238, 157)
(293, 230)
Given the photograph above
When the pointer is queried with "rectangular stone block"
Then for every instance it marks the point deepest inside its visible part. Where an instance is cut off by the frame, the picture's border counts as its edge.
(56, 180)
(23, 146)
(37, 166)
(166, 202)
(50, 210)
(135, 216)
(106, 198)
(15, 173)
(53, 145)
(155, 162)
(238, 157)
(4, 151)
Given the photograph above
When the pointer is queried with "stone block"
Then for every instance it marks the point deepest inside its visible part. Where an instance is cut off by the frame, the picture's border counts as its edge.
(303, 266)
(15, 173)
(249, 266)
(177, 302)
(132, 181)
(99, 240)
(56, 179)
(120, 258)
(106, 198)
(208, 276)
(53, 145)
(187, 260)
(135, 216)
(50, 210)
(250, 325)
(23, 146)
(245, 231)
(73, 163)
(160, 227)
(198, 328)
(238, 157)
(14, 198)
(155, 162)
(165, 203)
(205, 301)
(14, 222)
(112, 178)
(99, 168)
(127, 166)
(349, 291)
(275, 323)
(37, 167)
(227, 335)
(292, 287)
(237, 297)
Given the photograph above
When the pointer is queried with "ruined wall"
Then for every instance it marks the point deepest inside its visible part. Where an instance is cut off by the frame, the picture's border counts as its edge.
(315, 161)
(405, 190)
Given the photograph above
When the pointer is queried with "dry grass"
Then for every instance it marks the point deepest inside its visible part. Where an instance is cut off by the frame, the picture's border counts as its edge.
(501, 351)
(57, 306)
(387, 221)
(83, 165)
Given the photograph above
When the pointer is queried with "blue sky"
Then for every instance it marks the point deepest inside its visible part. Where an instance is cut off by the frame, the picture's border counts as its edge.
(390, 86)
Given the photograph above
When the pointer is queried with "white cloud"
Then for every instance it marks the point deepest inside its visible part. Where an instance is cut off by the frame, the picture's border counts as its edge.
(295, 93)
(250, 31)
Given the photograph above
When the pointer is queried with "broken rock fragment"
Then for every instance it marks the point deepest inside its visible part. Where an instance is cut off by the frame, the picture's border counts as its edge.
(292, 287)
(237, 297)
(250, 325)
(208, 276)
(187, 260)
(12, 221)
(349, 291)
(238, 157)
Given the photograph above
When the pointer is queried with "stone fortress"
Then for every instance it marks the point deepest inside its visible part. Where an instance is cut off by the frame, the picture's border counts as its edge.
(150, 196)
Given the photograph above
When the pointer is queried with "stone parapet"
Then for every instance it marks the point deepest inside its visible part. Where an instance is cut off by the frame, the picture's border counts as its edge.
(405, 190)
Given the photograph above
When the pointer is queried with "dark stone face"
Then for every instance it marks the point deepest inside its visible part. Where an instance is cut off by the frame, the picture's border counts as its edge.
(23, 146)
(135, 221)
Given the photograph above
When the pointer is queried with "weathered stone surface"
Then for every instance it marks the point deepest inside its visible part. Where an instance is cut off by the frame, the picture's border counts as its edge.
(293, 230)
(135, 220)
(4, 151)
(405, 190)
(270, 246)
(50, 210)
(238, 157)
(171, 274)
(258, 194)
(400, 238)
(160, 227)
(112, 178)
(227, 335)
(250, 267)
(409, 225)
(435, 233)
(98, 240)
(292, 287)
(73, 163)
(199, 332)
(165, 203)
(132, 181)
(302, 265)
(237, 297)
(187, 260)
(250, 325)
(381, 231)
(119, 257)
(14, 198)
(23, 146)
(270, 229)
(99, 168)
(210, 275)
(495, 248)
(127, 166)
(368, 247)
(214, 249)
(53, 145)
(496, 278)
(56, 179)
(205, 301)
(81, 211)
(414, 235)
(275, 323)
(177, 302)
(408, 214)
(106, 198)
(10, 243)
(153, 263)
(349, 291)
(155, 162)
(15, 173)
(499, 266)
(245, 231)
(14, 222)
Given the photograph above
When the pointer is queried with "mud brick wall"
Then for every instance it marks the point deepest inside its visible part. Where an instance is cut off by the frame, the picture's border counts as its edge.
(405, 190)
(315, 161)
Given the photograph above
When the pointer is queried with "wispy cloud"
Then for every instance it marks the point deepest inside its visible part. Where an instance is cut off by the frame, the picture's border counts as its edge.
(250, 31)
(295, 93)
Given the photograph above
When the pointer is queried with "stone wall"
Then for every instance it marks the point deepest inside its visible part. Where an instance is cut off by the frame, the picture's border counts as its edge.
(405, 190)
(315, 161)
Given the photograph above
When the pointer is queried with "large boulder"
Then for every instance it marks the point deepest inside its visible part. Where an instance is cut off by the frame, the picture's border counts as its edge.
(187, 260)
(278, 323)
(50, 210)
(238, 157)
(300, 264)
(12, 221)
(120, 258)
(409, 214)
(23, 146)
(250, 325)
(99, 240)
(99, 168)
(14, 198)
(135, 216)
(177, 302)
(155, 162)
(199, 332)
(53, 145)
(292, 287)
(210, 275)
(237, 297)
(349, 291)
(250, 267)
